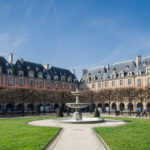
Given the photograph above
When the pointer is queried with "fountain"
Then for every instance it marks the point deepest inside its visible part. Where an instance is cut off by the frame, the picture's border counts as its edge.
(77, 116)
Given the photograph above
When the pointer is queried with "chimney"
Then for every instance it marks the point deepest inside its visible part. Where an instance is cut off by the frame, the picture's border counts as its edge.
(73, 71)
(138, 60)
(108, 67)
(10, 58)
(84, 71)
(46, 66)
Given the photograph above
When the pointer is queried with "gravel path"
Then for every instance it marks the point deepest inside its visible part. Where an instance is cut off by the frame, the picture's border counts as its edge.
(76, 136)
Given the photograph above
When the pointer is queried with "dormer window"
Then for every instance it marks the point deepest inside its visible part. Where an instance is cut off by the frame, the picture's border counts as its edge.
(18, 66)
(121, 74)
(148, 70)
(89, 74)
(20, 73)
(9, 71)
(63, 78)
(37, 69)
(127, 67)
(31, 74)
(56, 78)
(130, 74)
(28, 67)
(48, 77)
(40, 75)
(69, 79)
(139, 72)
(113, 75)
(93, 78)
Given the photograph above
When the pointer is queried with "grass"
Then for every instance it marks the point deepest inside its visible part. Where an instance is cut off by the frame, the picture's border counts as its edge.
(15, 134)
(133, 136)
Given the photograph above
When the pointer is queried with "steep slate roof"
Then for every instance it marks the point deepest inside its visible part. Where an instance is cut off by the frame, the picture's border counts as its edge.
(3, 63)
(27, 66)
(126, 67)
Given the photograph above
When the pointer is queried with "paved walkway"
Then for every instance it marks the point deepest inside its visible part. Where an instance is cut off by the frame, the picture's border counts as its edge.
(76, 136)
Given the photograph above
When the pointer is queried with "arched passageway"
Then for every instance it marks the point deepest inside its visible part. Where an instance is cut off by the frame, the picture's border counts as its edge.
(140, 105)
(122, 106)
(56, 106)
(30, 107)
(9, 107)
(148, 107)
(114, 106)
(99, 105)
(130, 106)
(19, 107)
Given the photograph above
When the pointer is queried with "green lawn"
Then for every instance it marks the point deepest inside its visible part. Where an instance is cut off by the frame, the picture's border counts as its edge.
(15, 134)
(133, 136)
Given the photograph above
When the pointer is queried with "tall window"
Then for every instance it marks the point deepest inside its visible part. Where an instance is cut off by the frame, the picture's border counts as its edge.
(93, 86)
(106, 84)
(139, 82)
(129, 81)
(0, 69)
(113, 83)
(48, 85)
(40, 84)
(21, 82)
(63, 85)
(99, 85)
(10, 81)
(121, 82)
(31, 83)
(70, 86)
(148, 81)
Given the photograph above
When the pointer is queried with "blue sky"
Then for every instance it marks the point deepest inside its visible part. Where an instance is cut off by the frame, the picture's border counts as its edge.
(75, 33)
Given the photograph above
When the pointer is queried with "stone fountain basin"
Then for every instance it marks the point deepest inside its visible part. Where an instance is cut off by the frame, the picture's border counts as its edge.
(78, 105)
(85, 120)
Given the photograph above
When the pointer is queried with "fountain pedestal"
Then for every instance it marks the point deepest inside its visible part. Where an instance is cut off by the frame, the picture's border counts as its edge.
(77, 115)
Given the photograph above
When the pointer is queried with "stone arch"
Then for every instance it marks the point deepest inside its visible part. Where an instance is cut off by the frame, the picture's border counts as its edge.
(30, 107)
(106, 105)
(99, 105)
(56, 106)
(0, 107)
(139, 105)
(9, 107)
(122, 106)
(39, 108)
(148, 107)
(130, 106)
(113, 106)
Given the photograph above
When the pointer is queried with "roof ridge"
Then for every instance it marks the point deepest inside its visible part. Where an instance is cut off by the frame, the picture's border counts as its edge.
(96, 68)
(122, 62)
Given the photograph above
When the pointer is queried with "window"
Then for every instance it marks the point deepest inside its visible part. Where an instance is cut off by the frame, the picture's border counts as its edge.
(93, 79)
(93, 86)
(129, 74)
(31, 83)
(113, 76)
(148, 70)
(56, 78)
(70, 86)
(121, 82)
(48, 77)
(10, 81)
(56, 86)
(10, 72)
(20, 73)
(31, 74)
(121, 75)
(48, 85)
(129, 81)
(113, 83)
(40, 84)
(99, 85)
(40, 75)
(21, 82)
(63, 86)
(69, 79)
(139, 82)
(148, 81)
(106, 84)
(63, 78)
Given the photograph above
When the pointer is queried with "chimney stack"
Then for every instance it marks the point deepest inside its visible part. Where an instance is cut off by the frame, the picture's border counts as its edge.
(108, 67)
(10, 58)
(138, 60)
(73, 71)
(84, 71)
(46, 66)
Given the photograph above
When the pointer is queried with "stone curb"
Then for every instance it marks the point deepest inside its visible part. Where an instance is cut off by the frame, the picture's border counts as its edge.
(52, 140)
(101, 140)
